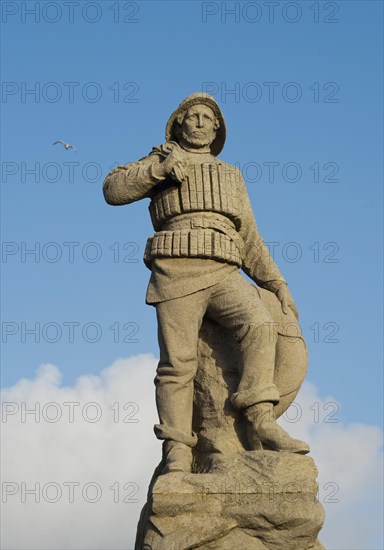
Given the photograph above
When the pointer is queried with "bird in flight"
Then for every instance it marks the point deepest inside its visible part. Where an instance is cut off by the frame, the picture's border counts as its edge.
(66, 145)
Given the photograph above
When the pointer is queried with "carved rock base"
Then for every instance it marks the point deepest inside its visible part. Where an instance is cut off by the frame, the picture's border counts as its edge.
(255, 500)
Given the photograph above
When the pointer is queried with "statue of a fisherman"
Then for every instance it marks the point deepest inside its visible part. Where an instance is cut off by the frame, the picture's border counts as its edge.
(205, 232)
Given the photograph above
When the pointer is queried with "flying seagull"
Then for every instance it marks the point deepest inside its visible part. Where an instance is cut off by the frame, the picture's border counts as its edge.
(66, 145)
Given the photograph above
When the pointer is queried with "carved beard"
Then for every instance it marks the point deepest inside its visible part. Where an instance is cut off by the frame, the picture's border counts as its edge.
(204, 137)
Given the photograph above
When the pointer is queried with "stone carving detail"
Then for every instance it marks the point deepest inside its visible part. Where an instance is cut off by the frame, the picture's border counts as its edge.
(257, 500)
(232, 358)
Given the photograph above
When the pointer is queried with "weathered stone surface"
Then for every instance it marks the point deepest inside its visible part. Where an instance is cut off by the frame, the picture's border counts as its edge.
(259, 500)
(220, 427)
(205, 231)
(232, 358)
(236, 499)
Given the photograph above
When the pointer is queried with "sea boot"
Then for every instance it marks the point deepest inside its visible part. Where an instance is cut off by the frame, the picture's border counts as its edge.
(264, 433)
(178, 457)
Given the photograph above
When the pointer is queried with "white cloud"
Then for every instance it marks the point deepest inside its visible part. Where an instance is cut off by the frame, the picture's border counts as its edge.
(116, 450)
(110, 452)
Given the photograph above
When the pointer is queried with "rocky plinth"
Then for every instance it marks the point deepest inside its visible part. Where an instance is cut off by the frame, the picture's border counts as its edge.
(257, 500)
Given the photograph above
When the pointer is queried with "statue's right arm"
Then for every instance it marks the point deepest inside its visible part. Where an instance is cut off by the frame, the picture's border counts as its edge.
(132, 182)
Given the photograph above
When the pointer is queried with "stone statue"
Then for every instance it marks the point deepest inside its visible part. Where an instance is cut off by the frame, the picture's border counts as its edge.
(205, 232)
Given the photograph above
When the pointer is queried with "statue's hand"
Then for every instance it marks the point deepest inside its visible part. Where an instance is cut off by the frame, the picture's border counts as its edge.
(284, 296)
(174, 164)
(178, 171)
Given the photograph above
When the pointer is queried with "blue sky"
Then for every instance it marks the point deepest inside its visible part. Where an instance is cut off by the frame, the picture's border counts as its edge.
(300, 89)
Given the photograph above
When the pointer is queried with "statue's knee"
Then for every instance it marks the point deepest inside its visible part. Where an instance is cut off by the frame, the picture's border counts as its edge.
(182, 368)
(263, 333)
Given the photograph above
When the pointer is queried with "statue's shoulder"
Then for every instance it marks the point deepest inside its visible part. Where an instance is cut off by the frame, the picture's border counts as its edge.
(226, 164)
(156, 150)
(230, 169)
(164, 149)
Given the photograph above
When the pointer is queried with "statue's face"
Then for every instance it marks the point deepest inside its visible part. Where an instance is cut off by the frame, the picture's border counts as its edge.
(199, 126)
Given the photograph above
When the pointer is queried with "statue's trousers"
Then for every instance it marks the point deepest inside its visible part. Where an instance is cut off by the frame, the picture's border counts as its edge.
(234, 305)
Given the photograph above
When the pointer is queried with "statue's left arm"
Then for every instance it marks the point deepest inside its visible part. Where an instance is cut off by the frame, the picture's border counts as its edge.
(258, 263)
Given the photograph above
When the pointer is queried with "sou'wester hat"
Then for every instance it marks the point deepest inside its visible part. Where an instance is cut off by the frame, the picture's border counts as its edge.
(198, 99)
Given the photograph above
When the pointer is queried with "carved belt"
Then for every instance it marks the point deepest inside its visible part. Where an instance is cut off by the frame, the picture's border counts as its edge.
(196, 237)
